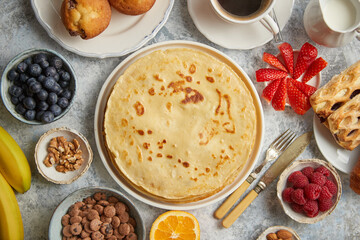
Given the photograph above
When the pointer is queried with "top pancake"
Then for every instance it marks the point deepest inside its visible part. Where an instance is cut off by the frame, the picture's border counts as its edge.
(180, 124)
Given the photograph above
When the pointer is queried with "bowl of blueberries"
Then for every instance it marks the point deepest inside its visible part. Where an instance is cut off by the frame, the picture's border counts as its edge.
(38, 86)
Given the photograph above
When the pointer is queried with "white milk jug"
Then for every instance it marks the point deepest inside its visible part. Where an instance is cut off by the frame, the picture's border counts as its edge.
(332, 23)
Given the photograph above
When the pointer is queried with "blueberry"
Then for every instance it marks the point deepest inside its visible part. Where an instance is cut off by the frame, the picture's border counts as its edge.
(22, 67)
(63, 102)
(52, 98)
(40, 57)
(15, 91)
(44, 64)
(64, 84)
(28, 93)
(20, 109)
(29, 103)
(34, 70)
(21, 98)
(12, 75)
(56, 62)
(39, 115)
(42, 95)
(66, 94)
(35, 87)
(30, 115)
(47, 117)
(23, 77)
(55, 109)
(18, 83)
(65, 76)
(28, 60)
(30, 81)
(42, 106)
(57, 89)
(14, 100)
(41, 78)
(50, 71)
(49, 83)
(56, 77)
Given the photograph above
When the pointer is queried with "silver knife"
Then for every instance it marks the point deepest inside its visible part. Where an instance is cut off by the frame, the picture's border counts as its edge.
(290, 154)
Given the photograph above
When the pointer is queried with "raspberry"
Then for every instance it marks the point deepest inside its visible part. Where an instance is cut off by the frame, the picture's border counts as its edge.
(311, 208)
(331, 186)
(286, 194)
(312, 191)
(292, 175)
(317, 178)
(300, 181)
(325, 204)
(298, 196)
(325, 193)
(307, 171)
(323, 170)
(296, 207)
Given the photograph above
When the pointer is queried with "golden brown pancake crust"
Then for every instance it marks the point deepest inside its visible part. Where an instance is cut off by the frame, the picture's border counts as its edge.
(132, 7)
(87, 18)
(180, 124)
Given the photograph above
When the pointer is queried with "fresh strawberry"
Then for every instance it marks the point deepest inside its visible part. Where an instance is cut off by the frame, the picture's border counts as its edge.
(303, 87)
(315, 67)
(306, 56)
(298, 100)
(269, 91)
(273, 61)
(279, 99)
(267, 74)
(288, 54)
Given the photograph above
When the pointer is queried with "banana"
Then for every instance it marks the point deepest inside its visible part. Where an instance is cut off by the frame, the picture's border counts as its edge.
(11, 225)
(13, 164)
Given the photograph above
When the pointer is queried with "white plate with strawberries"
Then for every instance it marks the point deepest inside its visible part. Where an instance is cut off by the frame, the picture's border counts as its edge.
(292, 77)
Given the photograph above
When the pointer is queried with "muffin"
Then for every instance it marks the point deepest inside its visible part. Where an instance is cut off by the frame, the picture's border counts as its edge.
(132, 7)
(86, 18)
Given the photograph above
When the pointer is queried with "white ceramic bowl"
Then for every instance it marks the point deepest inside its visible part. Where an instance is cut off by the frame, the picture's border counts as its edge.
(50, 173)
(55, 227)
(274, 229)
(6, 83)
(298, 166)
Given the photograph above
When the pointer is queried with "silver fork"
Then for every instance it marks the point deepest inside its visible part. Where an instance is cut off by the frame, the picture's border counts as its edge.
(273, 152)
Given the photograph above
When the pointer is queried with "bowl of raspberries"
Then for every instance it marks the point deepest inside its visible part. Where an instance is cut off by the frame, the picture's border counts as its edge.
(38, 86)
(309, 190)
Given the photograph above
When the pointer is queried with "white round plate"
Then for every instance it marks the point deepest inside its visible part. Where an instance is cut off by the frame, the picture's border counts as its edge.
(99, 117)
(235, 36)
(124, 34)
(340, 158)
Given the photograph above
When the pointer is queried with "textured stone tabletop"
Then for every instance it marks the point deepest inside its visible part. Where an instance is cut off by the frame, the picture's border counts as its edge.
(20, 31)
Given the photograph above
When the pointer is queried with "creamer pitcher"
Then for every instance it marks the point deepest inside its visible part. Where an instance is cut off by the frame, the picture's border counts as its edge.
(332, 23)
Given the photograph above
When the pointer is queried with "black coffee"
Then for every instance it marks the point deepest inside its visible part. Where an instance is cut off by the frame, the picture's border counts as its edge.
(242, 8)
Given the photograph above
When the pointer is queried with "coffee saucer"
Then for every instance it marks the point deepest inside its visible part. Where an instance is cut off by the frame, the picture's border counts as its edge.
(235, 36)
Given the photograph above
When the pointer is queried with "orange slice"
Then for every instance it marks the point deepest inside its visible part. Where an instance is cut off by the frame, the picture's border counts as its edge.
(173, 225)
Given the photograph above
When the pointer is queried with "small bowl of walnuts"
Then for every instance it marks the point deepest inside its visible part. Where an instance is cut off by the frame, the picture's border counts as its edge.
(96, 213)
(309, 190)
(62, 155)
(279, 232)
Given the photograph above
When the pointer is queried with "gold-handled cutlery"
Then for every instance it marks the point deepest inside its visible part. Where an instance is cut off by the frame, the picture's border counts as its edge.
(290, 154)
(273, 152)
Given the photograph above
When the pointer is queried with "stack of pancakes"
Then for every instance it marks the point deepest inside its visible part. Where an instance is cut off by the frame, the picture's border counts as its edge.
(180, 125)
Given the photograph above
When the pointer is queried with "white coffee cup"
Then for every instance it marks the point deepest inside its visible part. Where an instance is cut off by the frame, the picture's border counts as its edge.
(262, 15)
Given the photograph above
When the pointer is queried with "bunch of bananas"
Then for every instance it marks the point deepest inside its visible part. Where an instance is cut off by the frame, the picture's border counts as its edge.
(14, 172)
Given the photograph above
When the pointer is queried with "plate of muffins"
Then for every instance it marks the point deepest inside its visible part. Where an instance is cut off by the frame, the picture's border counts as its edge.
(102, 28)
